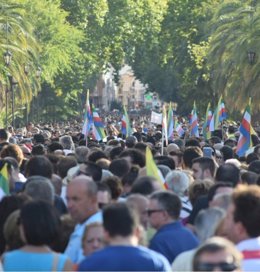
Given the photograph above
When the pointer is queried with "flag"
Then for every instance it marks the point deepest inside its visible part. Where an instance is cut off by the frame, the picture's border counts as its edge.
(125, 127)
(194, 123)
(164, 126)
(170, 122)
(244, 141)
(152, 169)
(4, 180)
(178, 128)
(98, 128)
(215, 119)
(88, 118)
(206, 129)
(222, 112)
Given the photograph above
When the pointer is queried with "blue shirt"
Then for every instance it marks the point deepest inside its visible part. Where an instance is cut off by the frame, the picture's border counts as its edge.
(74, 248)
(125, 258)
(172, 239)
(19, 260)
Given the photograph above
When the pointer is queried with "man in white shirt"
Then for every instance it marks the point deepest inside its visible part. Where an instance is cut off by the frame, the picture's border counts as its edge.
(242, 224)
(83, 208)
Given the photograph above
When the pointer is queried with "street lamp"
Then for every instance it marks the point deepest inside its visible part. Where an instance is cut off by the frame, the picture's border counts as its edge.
(7, 57)
(26, 69)
(251, 56)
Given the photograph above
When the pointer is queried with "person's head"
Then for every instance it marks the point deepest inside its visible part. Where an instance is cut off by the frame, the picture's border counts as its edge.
(38, 149)
(254, 167)
(164, 207)
(257, 150)
(249, 177)
(228, 172)
(51, 148)
(119, 220)
(242, 219)
(207, 221)
(217, 254)
(177, 157)
(40, 224)
(92, 170)
(40, 188)
(129, 179)
(134, 156)
(39, 166)
(115, 152)
(130, 141)
(93, 238)
(104, 195)
(4, 135)
(227, 152)
(12, 150)
(115, 186)
(251, 157)
(82, 198)
(140, 203)
(119, 167)
(145, 185)
(64, 164)
(189, 154)
(199, 188)
(81, 153)
(178, 182)
(96, 155)
(203, 167)
(38, 139)
(67, 142)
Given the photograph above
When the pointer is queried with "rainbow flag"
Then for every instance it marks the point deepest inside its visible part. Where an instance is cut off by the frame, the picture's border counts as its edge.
(244, 141)
(206, 130)
(98, 127)
(4, 180)
(152, 169)
(170, 122)
(125, 127)
(215, 119)
(194, 122)
(222, 111)
(88, 118)
(178, 128)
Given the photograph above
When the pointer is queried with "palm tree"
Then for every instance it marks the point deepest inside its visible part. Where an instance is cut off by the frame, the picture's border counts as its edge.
(235, 33)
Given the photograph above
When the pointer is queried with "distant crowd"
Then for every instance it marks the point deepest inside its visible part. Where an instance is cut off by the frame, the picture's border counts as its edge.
(71, 203)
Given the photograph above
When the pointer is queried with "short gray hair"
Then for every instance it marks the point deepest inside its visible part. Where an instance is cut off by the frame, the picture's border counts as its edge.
(178, 182)
(40, 188)
(67, 142)
(207, 222)
(81, 153)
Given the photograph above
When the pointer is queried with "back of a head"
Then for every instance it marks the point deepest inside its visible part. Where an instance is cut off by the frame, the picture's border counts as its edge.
(54, 146)
(178, 182)
(38, 139)
(254, 167)
(227, 152)
(39, 166)
(40, 223)
(190, 154)
(207, 221)
(249, 177)
(119, 167)
(64, 164)
(38, 149)
(169, 202)
(115, 152)
(81, 153)
(246, 200)
(40, 188)
(115, 186)
(143, 185)
(228, 173)
(97, 155)
(4, 135)
(92, 170)
(120, 220)
(165, 160)
(67, 142)
(136, 156)
(192, 142)
(130, 141)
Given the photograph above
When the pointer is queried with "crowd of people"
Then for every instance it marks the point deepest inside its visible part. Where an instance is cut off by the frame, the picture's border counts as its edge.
(76, 204)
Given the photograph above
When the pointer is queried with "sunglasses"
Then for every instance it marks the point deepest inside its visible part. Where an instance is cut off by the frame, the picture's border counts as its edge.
(223, 266)
(150, 212)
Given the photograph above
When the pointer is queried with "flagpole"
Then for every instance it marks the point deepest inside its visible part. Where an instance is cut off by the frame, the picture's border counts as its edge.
(162, 140)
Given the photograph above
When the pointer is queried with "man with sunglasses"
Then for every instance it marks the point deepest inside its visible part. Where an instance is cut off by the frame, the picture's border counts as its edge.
(171, 238)
(217, 254)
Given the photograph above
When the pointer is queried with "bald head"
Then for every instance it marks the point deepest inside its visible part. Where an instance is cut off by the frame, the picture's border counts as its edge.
(82, 198)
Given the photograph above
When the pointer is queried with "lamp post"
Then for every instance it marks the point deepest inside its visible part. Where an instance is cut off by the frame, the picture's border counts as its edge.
(12, 82)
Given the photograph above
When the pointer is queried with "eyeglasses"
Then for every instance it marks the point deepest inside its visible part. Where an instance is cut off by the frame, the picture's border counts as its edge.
(223, 266)
(149, 212)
